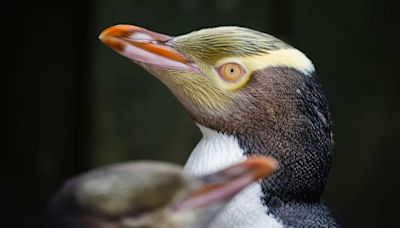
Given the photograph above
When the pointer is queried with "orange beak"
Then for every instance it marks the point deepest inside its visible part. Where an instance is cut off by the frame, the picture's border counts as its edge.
(225, 184)
(144, 46)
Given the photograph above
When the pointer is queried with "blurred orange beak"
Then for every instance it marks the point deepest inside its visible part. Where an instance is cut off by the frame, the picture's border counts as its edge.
(144, 46)
(225, 184)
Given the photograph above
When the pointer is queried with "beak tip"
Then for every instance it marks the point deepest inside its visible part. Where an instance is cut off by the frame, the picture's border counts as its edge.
(101, 37)
(120, 30)
(109, 32)
(274, 163)
(105, 35)
(111, 36)
(265, 166)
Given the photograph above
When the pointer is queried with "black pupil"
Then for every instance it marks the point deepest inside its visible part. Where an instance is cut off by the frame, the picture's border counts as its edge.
(232, 70)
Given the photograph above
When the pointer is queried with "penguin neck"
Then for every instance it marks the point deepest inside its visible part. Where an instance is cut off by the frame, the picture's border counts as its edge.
(216, 151)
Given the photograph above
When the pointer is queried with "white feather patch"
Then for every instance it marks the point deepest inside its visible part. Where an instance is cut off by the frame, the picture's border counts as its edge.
(214, 152)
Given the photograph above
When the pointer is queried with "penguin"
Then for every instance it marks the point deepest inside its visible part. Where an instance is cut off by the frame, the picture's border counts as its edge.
(150, 194)
(250, 94)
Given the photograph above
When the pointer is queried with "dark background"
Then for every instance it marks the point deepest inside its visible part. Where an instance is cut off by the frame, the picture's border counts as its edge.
(79, 105)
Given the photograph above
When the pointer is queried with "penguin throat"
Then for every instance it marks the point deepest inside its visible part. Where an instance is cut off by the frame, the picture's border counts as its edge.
(214, 152)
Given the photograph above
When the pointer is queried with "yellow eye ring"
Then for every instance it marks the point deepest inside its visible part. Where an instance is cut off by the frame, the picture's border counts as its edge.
(231, 72)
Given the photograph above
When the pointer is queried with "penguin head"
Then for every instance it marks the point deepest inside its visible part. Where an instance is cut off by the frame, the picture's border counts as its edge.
(225, 77)
(151, 194)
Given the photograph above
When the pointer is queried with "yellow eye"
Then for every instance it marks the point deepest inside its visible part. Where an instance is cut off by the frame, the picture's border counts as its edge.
(231, 72)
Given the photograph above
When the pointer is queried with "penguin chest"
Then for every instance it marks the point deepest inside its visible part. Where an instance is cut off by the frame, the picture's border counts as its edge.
(216, 151)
